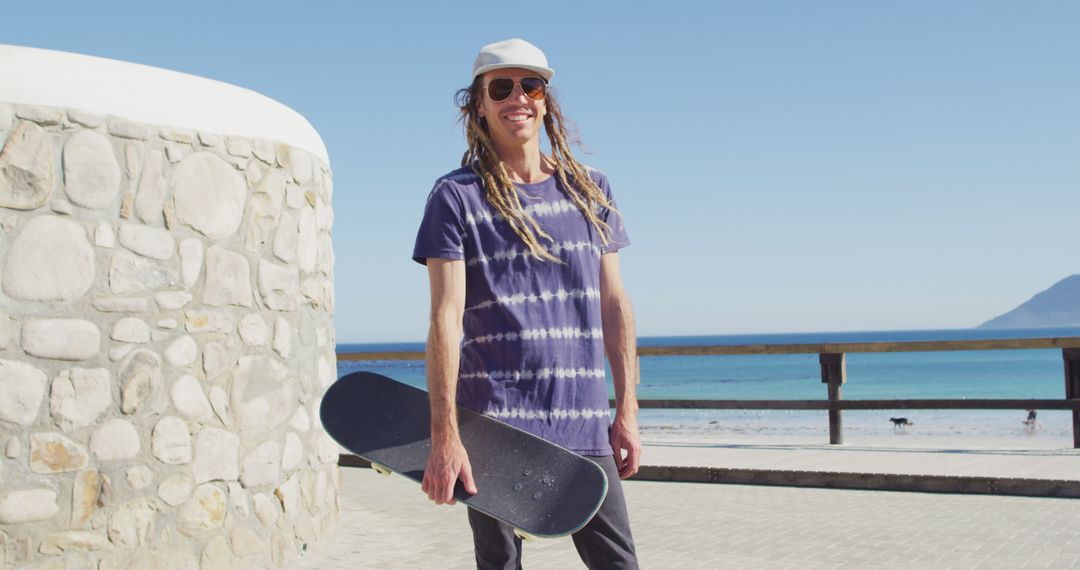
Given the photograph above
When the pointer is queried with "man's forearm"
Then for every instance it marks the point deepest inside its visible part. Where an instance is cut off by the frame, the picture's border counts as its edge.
(443, 354)
(620, 341)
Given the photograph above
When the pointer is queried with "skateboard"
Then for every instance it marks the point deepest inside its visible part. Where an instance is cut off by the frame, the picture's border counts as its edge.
(537, 487)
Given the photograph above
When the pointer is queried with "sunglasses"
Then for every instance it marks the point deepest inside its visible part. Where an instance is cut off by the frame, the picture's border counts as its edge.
(502, 87)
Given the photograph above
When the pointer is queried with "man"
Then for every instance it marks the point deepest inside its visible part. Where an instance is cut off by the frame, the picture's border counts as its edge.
(521, 248)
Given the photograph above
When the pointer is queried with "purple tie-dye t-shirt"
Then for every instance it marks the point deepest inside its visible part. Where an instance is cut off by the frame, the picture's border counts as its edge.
(533, 349)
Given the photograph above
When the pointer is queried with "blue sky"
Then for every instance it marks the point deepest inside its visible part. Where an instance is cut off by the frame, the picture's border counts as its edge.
(782, 166)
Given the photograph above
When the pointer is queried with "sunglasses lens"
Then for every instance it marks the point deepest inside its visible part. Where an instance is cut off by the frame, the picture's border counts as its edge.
(534, 87)
(500, 88)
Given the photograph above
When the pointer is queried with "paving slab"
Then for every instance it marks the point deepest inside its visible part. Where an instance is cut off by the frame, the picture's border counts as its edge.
(924, 458)
(388, 523)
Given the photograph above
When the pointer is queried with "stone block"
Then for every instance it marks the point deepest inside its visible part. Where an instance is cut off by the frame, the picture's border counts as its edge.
(175, 489)
(266, 509)
(205, 511)
(253, 330)
(237, 146)
(85, 118)
(169, 323)
(26, 168)
(150, 196)
(122, 305)
(208, 321)
(23, 388)
(246, 543)
(79, 396)
(104, 236)
(191, 260)
(171, 300)
(283, 338)
(171, 441)
(208, 195)
(216, 456)
(260, 394)
(216, 555)
(285, 238)
(114, 440)
(139, 476)
(127, 129)
(264, 209)
(306, 240)
(228, 278)
(189, 399)
(129, 273)
(297, 161)
(292, 454)
(300, 420)
(278, 286)
(155, 243)
(131, 329)
(72, 540)
(45, 116)
(238, 500)
(50, 260)
(288, 493)
(87, 497)
(131, 524)
(27, 505)
(54, 453)
(91, 172)
(182, 136)
(209, 139)
(61, 339)
(219, 400)
(141, 384)
(176, 152)
(216, 360)
(262, 465)
(265, 150)
(182, 352)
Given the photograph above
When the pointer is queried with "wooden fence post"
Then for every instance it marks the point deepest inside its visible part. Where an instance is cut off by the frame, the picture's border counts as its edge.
(834, 373)
(1072, 387)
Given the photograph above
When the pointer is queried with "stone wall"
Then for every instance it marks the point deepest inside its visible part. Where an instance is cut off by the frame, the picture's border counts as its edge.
(165, 336)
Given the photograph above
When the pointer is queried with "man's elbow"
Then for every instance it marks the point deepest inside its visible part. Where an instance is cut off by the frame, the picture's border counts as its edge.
(446, 318)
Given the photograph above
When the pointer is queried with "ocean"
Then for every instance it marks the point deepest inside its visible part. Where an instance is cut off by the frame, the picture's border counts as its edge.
(962, 374)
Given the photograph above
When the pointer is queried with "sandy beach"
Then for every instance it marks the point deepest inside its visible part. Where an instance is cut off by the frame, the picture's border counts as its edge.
(929, 428)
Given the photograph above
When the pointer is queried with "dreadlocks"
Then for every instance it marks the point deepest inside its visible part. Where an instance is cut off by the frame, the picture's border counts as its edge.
(499, 190)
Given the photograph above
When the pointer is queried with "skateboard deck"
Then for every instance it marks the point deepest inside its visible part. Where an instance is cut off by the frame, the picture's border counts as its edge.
(539, 488)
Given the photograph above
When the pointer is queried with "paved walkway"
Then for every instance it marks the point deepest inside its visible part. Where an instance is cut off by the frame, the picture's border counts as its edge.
(918, 457)
(388, 523)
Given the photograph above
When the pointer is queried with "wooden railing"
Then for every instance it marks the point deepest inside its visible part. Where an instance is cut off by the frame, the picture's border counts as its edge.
(832, 357)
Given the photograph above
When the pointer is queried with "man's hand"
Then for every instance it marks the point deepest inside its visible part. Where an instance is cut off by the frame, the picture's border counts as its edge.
(624, 437)
(446, 464)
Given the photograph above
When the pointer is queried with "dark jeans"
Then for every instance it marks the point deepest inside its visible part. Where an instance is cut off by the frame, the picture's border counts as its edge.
(605, 542)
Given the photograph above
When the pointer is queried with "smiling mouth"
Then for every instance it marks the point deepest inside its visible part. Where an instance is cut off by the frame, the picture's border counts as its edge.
(518, 117)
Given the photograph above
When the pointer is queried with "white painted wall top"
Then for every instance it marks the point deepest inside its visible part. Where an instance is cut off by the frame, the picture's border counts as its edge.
(152, 95)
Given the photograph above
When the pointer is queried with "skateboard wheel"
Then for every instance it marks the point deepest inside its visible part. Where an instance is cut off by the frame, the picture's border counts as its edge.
(524, 536)
(380, 469)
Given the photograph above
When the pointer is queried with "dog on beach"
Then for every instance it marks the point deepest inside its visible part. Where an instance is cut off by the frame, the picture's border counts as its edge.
(1031, 423)
(901, 423)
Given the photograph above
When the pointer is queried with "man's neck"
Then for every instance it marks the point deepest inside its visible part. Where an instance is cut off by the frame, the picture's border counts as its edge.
(525, 164)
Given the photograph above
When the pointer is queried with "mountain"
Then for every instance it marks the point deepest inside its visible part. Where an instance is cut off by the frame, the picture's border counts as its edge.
(1058, 306)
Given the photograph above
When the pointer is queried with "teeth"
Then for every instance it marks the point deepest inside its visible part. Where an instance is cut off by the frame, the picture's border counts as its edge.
(517, 117)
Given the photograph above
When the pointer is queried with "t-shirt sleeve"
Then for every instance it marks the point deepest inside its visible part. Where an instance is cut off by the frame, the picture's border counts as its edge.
(442, 230)
(618, 238)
